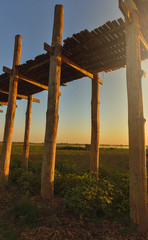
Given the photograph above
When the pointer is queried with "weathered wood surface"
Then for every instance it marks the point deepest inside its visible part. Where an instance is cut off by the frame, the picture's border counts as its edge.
(4, 103)
(136, 121)
(95, 128)
(103, 49)
(10, 115)
(21, 96)
(70, 63)
(47, 179)
(27, 133)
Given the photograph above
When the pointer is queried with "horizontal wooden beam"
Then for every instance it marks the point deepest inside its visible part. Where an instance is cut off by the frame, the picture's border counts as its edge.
(21, 96)
(123, 8)
(6, 104)
(1, 111)
(37, 65)
(48, 48)
(71, 63)
(24, 78)
(143, 40)
(7, 70)
(77, 67)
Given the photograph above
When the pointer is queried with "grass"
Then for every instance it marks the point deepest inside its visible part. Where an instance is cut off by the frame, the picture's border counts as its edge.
(72, 182)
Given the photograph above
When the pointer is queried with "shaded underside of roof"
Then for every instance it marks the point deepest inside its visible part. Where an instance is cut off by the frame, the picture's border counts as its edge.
(101, 50)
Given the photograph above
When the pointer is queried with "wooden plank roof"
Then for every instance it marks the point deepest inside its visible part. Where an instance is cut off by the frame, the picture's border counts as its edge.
(100, 50)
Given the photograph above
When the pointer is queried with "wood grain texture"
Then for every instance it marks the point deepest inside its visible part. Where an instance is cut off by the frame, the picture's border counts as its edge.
(48, 167)
(95, 128)
(27, 133)
(136, 121)
(10, 115)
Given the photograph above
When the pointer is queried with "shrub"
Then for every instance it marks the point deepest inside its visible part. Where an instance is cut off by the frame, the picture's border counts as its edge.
(89, 198)
(24, 212)
(29, 182)
(109, 197)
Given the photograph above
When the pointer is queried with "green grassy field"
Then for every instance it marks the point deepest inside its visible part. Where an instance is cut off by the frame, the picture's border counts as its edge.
(114, 158)
(80, 195)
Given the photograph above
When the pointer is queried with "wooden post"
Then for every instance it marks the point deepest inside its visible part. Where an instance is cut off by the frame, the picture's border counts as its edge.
(138, 175)
(95, 108)
(27, 133)
(8, 132)
(47, 179)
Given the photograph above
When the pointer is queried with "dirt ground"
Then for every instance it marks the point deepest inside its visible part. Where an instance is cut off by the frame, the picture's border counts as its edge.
(61, 225)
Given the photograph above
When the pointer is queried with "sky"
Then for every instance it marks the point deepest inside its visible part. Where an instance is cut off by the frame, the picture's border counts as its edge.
(33, 19)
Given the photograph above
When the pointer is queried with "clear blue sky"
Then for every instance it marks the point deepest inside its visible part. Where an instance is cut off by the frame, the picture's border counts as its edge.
(34, 20)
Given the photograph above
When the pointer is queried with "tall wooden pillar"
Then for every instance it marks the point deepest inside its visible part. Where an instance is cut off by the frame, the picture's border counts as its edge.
(27, 133)
(138, 175)
(95, 124)
(47, 179)
(10, 115)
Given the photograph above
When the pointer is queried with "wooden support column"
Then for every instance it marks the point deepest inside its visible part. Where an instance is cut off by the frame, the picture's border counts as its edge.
(95, 108)
(10, 115)
(136, 121)
(47, 179)
(27, 133)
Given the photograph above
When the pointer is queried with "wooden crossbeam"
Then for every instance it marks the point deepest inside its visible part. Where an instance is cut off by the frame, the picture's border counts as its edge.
(125, 10)
(143, 40)
(7, 70)
(1, 111)
(20, 96)
(49, 49)
(37, 65)
(24, 78)
(6, 104)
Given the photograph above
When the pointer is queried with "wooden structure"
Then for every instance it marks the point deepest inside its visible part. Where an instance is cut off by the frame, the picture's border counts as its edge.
(52, 117)
(109, 47)
(27, 132)
(136, 121)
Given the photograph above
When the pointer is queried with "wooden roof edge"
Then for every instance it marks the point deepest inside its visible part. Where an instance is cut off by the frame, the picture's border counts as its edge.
(120, 21)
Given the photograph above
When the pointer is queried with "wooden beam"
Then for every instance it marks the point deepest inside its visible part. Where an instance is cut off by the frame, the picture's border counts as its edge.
(7, 70)
(71, 63)
(27, 133)
(21, 96)
(21, 77)
(26, 79)
(136, 122)
(10, 115)
(64, 85)
(37, 65)
(4, 103)
(123, 8)
(48, 167)
(143, 40)
(95, 125)
(48, 48)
